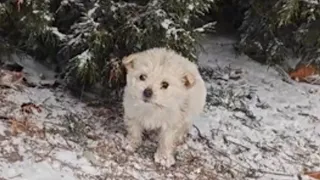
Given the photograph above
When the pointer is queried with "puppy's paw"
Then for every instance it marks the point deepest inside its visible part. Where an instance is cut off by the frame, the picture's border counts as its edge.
(181, 140)
(166, 160)
(131, 146)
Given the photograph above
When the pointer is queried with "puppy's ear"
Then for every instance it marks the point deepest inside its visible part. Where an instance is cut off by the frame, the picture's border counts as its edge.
(189, 80)
(128, 61)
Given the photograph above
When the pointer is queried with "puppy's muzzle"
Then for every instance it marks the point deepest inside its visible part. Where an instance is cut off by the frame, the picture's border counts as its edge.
(147, 93)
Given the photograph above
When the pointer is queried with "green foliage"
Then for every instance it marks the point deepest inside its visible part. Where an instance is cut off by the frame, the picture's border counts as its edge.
(89, 38)
(273, 30)
(288, 12)
(28, 29)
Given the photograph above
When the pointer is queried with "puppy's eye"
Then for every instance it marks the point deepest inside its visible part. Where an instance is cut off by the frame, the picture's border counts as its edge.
(143, 77)
(164, 85)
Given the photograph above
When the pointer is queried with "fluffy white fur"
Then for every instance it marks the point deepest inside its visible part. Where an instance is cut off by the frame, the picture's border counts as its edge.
(169, 109)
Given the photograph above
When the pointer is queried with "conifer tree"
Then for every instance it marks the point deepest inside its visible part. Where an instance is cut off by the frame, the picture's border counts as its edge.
(88, 38)
(273, 31)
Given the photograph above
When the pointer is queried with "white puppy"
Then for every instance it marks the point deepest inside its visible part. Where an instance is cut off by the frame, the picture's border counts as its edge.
(164, 91)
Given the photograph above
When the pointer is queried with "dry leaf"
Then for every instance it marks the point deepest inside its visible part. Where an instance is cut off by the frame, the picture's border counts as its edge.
(315, 175)
(303, 71)
(313, 79)
(27, 107)
(16, 126)
(25, 126)
(11, 79)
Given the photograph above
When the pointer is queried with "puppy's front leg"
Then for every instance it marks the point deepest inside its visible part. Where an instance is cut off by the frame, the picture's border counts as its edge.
(166, 147)
(134, 136)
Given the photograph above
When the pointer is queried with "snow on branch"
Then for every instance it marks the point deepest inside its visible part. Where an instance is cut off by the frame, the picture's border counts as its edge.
(313, 2)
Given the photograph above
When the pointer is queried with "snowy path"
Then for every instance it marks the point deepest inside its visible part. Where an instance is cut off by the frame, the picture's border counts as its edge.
(255, 125)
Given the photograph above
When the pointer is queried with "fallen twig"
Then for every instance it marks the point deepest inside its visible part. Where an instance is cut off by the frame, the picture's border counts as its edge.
(274, 173)
(309, 115)
(237, 144)
(207, 141)
(198, 131)
(43, 157)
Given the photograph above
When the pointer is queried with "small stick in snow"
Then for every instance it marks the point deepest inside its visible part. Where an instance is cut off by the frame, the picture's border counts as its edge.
(45, 155)
(15, 176)
(198, 132)
(207, 141)
(274, 173)
(313, 117)
(237, 144)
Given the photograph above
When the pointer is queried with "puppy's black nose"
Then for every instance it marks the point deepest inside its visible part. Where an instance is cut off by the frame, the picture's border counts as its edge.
(147, 93)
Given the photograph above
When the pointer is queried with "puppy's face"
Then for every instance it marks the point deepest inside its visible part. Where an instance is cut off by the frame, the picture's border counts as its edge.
(154, 79)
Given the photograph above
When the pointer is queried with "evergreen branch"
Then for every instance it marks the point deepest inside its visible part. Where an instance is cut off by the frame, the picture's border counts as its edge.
(313, 2)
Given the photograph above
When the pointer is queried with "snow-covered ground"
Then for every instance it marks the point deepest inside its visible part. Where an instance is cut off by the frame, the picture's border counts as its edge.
(255, 126)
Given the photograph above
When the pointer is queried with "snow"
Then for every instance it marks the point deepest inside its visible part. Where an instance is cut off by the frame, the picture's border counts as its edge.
(166, 23)
(37, 171)
(83, 58)
(65, 2)
(113, 8)
(254, 124)
(173, 31)
(92, 11)
(190, 7)
(282, 125)
(160, 13)
(47, 17)
(313, 2)
(55, 31)
(204, 27)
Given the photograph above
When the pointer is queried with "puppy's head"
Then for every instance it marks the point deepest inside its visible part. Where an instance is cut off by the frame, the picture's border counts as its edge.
(158, 77)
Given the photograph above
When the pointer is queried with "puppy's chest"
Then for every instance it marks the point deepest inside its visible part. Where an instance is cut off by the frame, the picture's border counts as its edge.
(153, 118)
